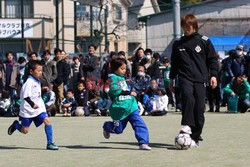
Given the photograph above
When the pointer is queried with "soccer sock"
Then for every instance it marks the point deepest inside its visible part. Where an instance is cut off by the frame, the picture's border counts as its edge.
(48, 131)
(18, 126)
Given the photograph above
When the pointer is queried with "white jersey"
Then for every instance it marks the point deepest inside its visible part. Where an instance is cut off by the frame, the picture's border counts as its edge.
(31, 89)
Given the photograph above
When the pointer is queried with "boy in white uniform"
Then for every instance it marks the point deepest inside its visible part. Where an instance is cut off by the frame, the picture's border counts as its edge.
(32, 106)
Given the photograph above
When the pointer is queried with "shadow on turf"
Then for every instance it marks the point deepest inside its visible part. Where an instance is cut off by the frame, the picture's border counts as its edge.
(97, 147)
(153, 145)
(15, 148)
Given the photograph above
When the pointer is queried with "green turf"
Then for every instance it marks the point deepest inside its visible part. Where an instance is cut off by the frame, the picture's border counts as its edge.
(226, 144)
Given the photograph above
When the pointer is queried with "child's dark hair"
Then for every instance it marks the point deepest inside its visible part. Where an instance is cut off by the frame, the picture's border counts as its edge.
(82, 82)
(70, 90)
(46, 52)
(56, 51)
(165, 60)
(148, 51)
(76, 57)
(111, 54)
(21, 60)
(117, 63)
(32, 64)
(122, 53)
(92, 45)
(31, 53)
(157, 56)
(5, 94)
(162, 91)
(9, 52)
(141, 67)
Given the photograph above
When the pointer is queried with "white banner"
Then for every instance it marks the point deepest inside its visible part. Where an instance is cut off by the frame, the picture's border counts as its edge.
(13, 28)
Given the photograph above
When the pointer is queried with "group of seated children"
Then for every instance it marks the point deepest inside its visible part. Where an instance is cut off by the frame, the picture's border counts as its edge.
(82, 103)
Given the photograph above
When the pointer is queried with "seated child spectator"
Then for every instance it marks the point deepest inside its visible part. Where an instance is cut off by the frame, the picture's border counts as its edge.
(141, 82)
(150, 93)
(94, 94)
(49, 98)
(4, 102)
(103, 105)
(69, 104)
(82, 96)
(239, 86)
(158, 104)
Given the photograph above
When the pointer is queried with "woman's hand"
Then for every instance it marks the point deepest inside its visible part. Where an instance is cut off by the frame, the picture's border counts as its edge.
(171, 85)
(213, 82)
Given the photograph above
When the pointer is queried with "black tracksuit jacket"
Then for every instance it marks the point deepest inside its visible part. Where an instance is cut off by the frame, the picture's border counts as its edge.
(194, 58)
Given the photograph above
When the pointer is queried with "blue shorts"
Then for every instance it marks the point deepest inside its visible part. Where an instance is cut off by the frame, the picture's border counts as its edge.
(38, 120)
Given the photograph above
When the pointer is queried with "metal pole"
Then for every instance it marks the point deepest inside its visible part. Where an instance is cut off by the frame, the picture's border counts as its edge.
(106, 29)
(177, 19)
(91, 22)
(22, 26)
(75, 26)
(57, 23)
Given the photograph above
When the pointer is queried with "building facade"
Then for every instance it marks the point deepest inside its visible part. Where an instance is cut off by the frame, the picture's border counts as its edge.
(137, 29)
(39, 30)
(226, 23)
(103, 25)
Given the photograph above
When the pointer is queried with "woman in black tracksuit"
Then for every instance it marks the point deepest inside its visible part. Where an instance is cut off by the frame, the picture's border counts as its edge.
(193, 59)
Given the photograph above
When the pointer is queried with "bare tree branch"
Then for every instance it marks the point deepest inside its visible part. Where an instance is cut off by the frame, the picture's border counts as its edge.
(103, 3)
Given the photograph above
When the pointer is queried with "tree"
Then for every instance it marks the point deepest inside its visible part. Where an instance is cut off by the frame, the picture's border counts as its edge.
(101, 30)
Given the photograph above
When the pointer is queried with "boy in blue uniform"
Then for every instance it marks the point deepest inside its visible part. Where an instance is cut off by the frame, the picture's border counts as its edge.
(32, 106)
(124, 107)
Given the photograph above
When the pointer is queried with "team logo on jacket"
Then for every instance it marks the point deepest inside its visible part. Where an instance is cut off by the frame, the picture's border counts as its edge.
(198, 49)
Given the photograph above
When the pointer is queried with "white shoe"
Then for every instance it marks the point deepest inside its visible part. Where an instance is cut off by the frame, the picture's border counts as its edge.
(106, 134)
(98, 112)
(194, 144)
(144, 147)
(185, 129)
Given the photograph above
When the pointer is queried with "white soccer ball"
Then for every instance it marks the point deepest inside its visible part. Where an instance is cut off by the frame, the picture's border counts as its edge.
(183, 141)
(79, 112)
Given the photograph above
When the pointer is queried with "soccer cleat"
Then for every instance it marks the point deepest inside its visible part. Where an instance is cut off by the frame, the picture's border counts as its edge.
(144, 147)
(106, 134)
(52, 146)
(194, 144)
(185, 129)
(12, 127)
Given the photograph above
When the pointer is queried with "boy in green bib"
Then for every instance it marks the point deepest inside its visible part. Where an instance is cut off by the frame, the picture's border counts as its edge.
(124, 107)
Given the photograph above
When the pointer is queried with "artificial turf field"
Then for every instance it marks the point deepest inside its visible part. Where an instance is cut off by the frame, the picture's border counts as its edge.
(226, 144)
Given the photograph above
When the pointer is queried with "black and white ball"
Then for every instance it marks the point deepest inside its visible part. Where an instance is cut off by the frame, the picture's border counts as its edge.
(79, 112)
(183, 141)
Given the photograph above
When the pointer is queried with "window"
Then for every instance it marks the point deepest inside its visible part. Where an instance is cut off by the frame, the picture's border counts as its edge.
(82, 13)
(13, 8)
(118, 13)
(116, 46)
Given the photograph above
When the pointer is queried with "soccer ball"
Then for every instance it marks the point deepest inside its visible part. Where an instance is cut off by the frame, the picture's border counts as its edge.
(183, 141)
(79, 112)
